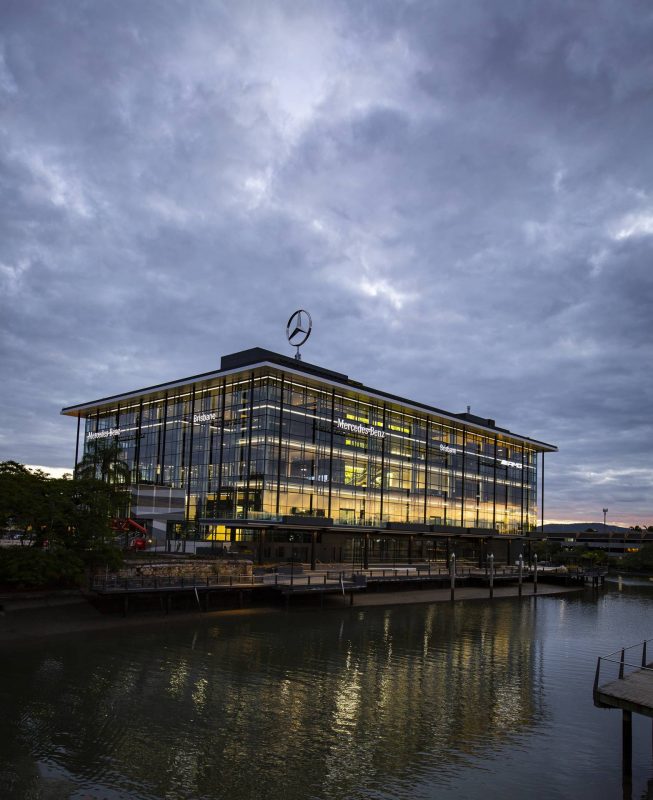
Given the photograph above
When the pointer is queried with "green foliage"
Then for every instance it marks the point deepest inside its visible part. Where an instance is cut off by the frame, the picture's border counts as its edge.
(594, 557)
(72, 518)
(29, 567)
(642, 560)
(546, 550)
(72, 514)
(104, 461)
(104, 557)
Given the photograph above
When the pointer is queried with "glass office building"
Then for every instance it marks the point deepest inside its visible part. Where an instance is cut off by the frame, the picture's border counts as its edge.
(275, 456)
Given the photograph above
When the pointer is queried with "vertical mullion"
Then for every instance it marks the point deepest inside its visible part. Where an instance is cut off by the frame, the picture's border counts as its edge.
(462, 501)
(162, 454)
(137, 449)
(330, 489)
(221, 445)
(280, 443)
(190, 458)
(542, 492)
(494, 486)
(382, 468)
(523, 472)
(76, 448)
(426, 465)
(249, 443)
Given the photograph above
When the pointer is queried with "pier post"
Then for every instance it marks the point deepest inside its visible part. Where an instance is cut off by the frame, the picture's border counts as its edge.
(491, 560)
(535, 574)
(627, 743)
(521, 570)
(452, 574)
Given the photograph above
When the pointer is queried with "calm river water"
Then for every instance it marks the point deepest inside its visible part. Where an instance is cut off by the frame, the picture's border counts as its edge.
(473, 700)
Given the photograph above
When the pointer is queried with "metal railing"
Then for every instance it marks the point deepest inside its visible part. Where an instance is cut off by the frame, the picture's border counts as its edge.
(624, 667)
(290, 577)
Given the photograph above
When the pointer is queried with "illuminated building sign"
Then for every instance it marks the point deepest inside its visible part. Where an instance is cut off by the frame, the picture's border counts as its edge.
(353, 427)
(210, 416)
(505, 463)
(103, 434)
(444, 448)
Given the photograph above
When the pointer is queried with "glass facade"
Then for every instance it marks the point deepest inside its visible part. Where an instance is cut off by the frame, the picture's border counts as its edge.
(268, 444)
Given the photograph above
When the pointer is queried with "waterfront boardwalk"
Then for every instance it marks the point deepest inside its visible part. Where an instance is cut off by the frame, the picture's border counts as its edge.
(38, 616)
(299, 583)
(634, 692)
(463, 593)
(629, 688)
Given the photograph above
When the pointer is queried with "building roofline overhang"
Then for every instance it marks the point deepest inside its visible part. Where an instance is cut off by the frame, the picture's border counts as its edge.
(312, 372)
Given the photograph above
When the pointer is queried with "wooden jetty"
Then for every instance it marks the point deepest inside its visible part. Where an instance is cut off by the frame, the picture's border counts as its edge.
(297, 581)
(227, 589)
(631, 690)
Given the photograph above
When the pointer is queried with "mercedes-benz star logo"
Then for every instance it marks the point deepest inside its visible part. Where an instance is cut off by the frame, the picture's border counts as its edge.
(299, 327)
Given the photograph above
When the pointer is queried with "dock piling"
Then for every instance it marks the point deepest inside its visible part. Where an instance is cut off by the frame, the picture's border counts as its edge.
(452, 574)
(521, 570)
(627, 743)
(491, 560)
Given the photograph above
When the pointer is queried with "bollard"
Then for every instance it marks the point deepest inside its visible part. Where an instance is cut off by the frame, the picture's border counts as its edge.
(491, 560)
(452, 575)
(521, 569)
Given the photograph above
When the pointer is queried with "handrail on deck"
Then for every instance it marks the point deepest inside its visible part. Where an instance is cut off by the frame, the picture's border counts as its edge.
(622, 661)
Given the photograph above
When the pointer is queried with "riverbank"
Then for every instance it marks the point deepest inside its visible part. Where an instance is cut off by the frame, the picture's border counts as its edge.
(40, 616)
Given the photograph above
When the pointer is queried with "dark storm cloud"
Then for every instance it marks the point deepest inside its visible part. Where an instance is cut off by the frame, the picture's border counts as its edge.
(460, 194)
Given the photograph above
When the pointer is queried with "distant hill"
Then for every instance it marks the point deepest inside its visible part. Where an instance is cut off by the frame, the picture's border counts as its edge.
(579, 527)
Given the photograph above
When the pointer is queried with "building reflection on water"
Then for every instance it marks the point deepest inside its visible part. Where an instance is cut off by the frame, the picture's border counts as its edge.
(276, 705)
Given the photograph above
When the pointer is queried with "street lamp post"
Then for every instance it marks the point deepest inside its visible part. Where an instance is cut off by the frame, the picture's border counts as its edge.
(605, 514)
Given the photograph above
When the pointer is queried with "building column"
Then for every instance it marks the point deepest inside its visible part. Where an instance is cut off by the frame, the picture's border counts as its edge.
(366, 551)
(313, 543)
(261, 543)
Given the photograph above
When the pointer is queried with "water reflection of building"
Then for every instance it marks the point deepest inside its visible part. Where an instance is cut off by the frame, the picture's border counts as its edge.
(281, 458)
(330, 702)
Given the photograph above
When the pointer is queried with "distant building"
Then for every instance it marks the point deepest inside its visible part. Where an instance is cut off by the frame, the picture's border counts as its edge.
(613, 541)
(277, 457)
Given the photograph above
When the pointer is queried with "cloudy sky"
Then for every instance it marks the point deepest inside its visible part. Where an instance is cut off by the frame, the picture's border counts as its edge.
(461, 194)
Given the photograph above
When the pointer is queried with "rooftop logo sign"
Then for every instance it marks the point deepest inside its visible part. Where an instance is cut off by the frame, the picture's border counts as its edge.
(353, 427)
(298, 329)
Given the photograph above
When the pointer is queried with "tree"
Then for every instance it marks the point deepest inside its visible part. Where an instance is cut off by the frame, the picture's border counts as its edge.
(75, 514)
(643, 559)
(104, 460)
(73, 517)
(22, 499)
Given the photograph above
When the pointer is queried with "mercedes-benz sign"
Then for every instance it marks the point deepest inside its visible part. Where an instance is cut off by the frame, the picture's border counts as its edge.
(299, 329)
